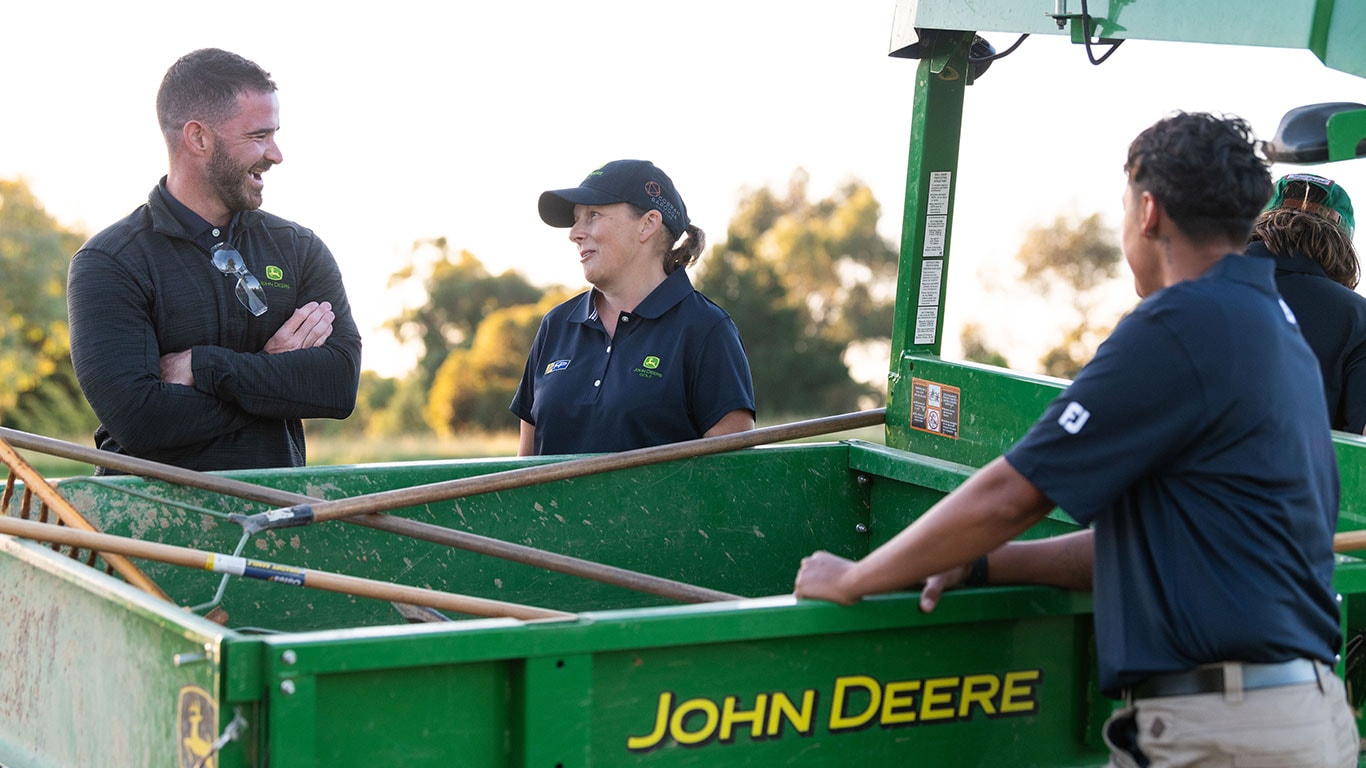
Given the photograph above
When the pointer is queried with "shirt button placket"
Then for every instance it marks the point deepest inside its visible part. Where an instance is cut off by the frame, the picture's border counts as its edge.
(606, 360)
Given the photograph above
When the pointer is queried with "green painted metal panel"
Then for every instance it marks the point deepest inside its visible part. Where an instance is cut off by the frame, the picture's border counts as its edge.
(1342, 47)
(903, 486)
(94, 673)
(724, 519)
(995, 408)
(818, 700)
(432, 716)
(799, 677)
(556, 689)
(1351, 453)
(591, 692)
(500, 692)
(1290, 24)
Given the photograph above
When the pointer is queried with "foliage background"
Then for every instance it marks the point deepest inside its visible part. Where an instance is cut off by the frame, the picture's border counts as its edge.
(38, 390)
(810, 284)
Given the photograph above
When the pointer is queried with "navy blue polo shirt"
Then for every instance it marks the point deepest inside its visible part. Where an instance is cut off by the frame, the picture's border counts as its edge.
(1197, 444)
(673, 369)
(1333, 320)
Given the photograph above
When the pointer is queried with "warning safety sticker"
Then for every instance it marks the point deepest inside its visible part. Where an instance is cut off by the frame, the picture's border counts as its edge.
(934, 408)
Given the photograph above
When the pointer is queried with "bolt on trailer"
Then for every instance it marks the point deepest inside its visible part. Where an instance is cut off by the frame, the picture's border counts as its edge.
(619, 610)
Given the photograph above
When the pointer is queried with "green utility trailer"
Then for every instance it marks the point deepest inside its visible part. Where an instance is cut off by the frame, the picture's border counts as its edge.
(247, 673)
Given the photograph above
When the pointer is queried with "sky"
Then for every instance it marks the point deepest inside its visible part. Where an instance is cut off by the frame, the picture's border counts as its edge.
(404, 121)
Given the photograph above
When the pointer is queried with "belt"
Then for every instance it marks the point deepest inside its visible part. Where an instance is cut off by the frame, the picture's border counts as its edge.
(1210, 678)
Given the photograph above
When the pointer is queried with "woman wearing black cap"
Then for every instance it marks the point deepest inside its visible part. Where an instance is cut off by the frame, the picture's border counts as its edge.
(1307, 229)
(642, 358)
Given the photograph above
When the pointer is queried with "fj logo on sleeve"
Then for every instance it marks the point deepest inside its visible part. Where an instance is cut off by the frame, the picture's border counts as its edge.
(1073, 417)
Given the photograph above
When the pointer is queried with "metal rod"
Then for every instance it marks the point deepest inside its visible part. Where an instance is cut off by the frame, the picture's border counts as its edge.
(621, 577)
(331, 582)
(527, 476)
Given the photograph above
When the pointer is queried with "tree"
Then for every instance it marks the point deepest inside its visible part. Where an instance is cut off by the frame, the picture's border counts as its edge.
(401, 413)
(39, 391)
(976, 349)
(385, 407)
(460, 293)
(1073, 263)
(474, 386)
(808, 285)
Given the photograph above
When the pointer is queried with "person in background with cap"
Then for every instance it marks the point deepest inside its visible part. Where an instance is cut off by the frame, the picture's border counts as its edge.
(1195, 452)
(641, 358)
(1307, 229)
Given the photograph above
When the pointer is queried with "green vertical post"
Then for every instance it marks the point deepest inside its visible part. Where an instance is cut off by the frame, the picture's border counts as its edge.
(931, 177)
(553, 707)
(293, 708)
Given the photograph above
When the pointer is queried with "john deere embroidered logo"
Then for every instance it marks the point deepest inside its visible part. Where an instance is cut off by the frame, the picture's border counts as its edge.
(274, 276)
(647, 368)
(198, 726)
(558, 365)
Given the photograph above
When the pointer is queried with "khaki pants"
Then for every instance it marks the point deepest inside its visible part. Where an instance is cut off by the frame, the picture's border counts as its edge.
(1309, 725)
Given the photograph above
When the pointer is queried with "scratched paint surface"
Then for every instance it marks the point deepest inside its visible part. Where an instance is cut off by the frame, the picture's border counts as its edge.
(87, 678)
(717, 522)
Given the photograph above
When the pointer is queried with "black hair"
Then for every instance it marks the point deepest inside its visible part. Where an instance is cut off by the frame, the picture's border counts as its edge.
(1208, 172)
(204, 85)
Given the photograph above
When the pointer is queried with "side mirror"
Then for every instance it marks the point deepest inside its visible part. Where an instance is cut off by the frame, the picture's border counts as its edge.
(980, 55)
(1321, 133)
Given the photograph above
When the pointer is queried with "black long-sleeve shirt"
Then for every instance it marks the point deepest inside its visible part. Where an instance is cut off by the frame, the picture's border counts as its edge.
(144, 287)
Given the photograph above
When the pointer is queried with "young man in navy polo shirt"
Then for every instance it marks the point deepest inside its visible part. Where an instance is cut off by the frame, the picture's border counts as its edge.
(1195, 446)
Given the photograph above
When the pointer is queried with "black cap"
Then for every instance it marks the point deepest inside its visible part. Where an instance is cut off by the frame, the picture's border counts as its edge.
(637, 182)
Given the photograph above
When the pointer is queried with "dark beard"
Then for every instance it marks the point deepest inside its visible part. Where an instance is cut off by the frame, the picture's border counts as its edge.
(228, 181)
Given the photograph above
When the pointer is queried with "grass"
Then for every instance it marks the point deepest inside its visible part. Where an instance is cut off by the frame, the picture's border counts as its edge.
(329, 449)
(350, 449)
(52, 467)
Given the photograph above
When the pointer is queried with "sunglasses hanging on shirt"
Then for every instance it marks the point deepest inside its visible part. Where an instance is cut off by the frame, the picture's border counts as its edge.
(249, 290)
